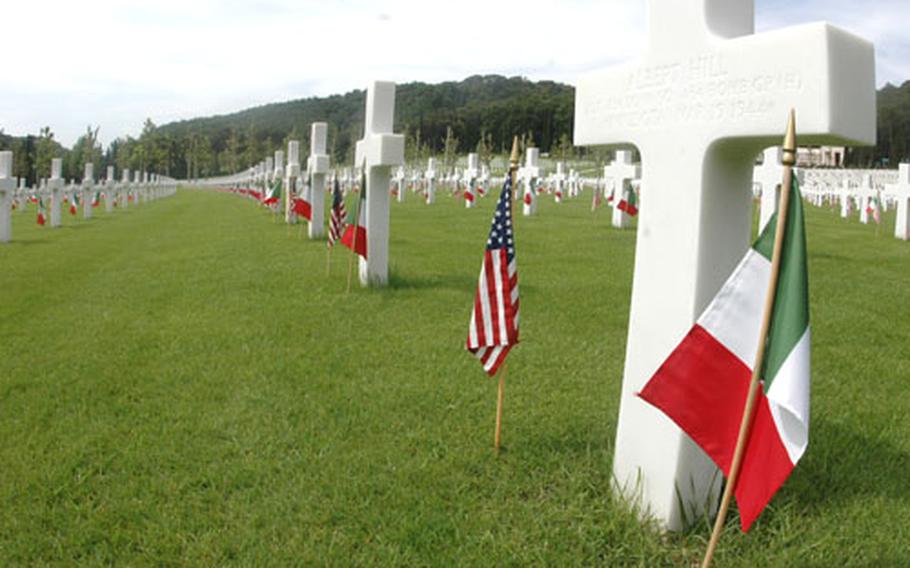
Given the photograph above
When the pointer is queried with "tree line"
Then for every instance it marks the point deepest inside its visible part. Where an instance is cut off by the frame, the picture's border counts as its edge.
(480, 113)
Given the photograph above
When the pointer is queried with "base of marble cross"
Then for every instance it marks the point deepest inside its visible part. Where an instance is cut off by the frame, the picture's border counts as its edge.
(431, 192)
(901, 226)
(374, 270)
(7, 187)
(317, 210)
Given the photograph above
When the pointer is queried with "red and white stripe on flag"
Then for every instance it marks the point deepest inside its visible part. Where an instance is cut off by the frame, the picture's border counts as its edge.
(494, 320)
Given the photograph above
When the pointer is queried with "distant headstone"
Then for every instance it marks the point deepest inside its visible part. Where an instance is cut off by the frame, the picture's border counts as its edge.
(901, 191)
(55, 188)
(124, 189)
(529, 174)
(379, 151)
(430, 177)
(86, 190)
(620, 173)
(7, 188)
(110, 192)
(704, 100)
(471, 173)
(401, 180)
(769, 176)
(559, 181)
(318, 167)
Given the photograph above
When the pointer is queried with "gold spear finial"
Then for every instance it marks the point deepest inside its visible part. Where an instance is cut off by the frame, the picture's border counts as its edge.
(788, 155)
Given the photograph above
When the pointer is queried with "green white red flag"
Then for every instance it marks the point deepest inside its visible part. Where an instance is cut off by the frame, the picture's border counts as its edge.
(42, 214)
(629, 201)
(273, 195)
(355, 231)
(702, 386)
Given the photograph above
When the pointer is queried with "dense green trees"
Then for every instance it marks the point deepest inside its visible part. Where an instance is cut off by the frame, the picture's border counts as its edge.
(481, 113)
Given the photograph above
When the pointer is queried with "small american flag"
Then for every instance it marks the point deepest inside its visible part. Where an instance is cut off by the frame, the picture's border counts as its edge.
(494, 319)
(336, 219)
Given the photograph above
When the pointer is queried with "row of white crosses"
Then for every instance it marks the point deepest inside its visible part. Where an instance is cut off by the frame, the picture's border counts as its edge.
(849, 188)
(707, 96)
(53, 188)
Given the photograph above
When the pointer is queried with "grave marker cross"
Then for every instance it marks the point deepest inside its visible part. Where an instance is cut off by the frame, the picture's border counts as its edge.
(901, 190)
(379, 150)
(318, 168)
(704, 100)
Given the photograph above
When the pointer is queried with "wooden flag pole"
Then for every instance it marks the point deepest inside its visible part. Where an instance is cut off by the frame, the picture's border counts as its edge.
(500, 396)
(788, 159)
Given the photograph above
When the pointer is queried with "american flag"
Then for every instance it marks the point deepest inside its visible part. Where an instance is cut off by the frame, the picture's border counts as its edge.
(494, 319)
(336, 219)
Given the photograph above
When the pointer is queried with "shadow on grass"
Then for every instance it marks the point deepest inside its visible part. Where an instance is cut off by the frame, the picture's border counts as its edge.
(26, 242)
(450, 281)
(843, 464)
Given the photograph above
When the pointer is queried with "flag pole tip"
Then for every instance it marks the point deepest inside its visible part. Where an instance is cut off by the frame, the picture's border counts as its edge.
(516, 155)
(788, 155)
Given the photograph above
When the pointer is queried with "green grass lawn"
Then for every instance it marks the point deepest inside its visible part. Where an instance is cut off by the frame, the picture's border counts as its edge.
(182, 384)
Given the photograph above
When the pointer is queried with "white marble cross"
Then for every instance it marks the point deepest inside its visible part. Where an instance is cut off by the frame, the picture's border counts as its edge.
(430, 177)
(124, 190)
(704, 99)
(901, 191)
(292, 182)
(86, 190)
(530, 173)
(559, 179)
(401, 180)
(318, 167)
(769, 176)
(7, 188)
(109, 190)
(865, 195)
(379, 149)
(55, 189)
(620, 173)
(470, 179)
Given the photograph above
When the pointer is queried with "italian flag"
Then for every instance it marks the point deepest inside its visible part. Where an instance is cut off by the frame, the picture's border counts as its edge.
(74, 203)
(96, 199)
(42, 218)
(468, 194)
(355, 230)
(274, 194)
(702, 385)
(629, 202)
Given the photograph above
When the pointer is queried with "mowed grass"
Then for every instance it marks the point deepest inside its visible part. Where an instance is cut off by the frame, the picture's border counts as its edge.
(182, 384)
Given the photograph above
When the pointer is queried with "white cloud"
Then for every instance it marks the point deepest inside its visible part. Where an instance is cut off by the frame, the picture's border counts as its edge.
(114, 63)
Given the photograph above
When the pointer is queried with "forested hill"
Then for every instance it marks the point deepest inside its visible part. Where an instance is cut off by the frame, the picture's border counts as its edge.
(491, 104)
(445, 119)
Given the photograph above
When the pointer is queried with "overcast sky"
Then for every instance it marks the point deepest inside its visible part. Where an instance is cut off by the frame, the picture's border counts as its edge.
(113, 63)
